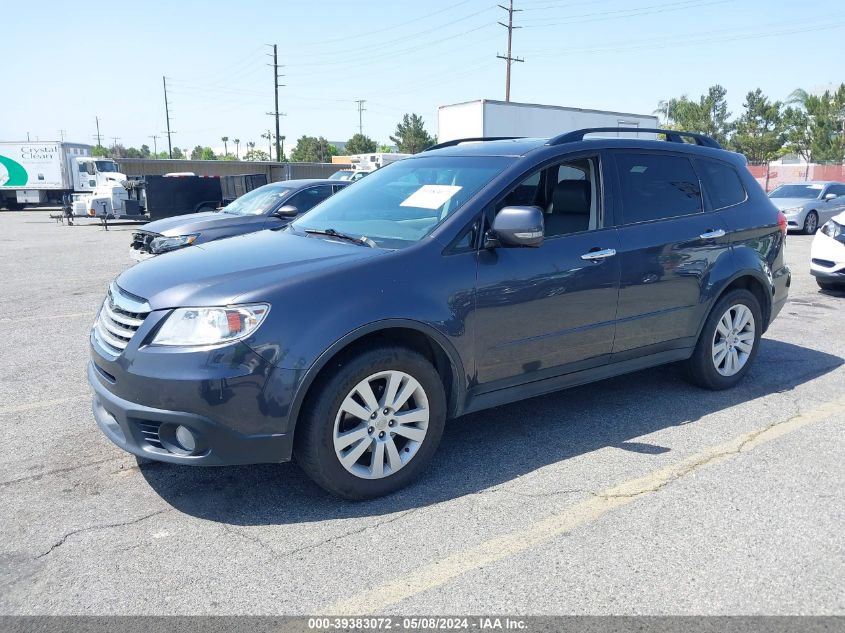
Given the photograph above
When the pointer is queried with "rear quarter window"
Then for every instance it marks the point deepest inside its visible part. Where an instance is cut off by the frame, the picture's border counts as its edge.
(657, 186)
(721, 182)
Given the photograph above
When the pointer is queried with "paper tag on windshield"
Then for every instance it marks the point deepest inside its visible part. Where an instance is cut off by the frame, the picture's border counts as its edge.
(430, 196)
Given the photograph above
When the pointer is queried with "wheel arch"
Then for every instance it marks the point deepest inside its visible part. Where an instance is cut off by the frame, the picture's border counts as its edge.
(412, 334)
(752, 280)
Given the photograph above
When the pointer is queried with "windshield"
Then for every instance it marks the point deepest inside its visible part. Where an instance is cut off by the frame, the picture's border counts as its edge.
(258, 201)
(106, 165)
(400, 204)
(797, 191)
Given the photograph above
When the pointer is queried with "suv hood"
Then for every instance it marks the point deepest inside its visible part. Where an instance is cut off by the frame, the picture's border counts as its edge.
(789, 203)
(219, 272)
(196, 222)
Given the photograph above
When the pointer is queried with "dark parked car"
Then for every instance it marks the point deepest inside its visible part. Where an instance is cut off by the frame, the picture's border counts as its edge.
(267, 207)
(468, 276)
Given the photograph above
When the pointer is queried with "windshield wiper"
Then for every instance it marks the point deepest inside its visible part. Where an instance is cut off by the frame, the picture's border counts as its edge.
(363, 240)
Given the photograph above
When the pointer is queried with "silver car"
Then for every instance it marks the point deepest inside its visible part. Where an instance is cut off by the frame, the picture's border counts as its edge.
(808, 205)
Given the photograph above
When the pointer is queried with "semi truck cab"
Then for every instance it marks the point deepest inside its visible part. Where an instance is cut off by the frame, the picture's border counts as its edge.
(92, 172)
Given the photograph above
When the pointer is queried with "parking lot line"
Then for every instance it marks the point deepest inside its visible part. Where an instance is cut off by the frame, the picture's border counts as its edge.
(439, 572)
(40, 404)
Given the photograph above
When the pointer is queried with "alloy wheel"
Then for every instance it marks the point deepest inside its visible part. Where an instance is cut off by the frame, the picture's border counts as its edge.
(381, 424)
(733, 340)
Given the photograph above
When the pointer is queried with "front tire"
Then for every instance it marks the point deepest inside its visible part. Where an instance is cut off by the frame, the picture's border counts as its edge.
(811, 223)
(728, 343)
(372, 423)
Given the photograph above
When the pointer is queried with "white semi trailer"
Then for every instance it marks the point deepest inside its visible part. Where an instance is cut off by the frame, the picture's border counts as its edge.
(36, 173)
(485, 118)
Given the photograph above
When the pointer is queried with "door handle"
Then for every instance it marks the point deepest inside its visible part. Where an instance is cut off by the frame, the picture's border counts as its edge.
(599, 254)
(712, 235)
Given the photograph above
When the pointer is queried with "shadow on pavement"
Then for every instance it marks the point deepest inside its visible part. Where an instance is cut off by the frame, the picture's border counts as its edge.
(492, 447)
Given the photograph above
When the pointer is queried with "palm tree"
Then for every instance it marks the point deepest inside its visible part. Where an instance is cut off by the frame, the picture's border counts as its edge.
(237, 143)
(225, 140)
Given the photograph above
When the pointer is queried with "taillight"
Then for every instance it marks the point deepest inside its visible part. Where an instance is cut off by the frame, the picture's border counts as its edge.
(782, 223)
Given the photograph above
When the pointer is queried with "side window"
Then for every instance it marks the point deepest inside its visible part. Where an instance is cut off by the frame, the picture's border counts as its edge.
(308, 199)
(722, 183)
(839, 190)
(657, 186)
(568, 194)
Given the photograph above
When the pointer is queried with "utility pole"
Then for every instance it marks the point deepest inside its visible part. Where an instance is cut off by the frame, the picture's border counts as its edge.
(155, 145)
(276, 112)
(62, 134)
(361, 109)
(97, 121)
(509, 59)
(167, 114)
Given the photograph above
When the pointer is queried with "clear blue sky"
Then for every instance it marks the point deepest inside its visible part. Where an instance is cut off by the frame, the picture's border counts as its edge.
(66, 62)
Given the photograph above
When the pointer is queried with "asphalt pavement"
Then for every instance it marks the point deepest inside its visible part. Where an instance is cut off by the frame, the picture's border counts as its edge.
(638, 495)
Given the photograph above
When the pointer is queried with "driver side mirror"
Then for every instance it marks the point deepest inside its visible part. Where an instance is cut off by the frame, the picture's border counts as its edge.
(830, 196)
(286, 211)
(516, 226)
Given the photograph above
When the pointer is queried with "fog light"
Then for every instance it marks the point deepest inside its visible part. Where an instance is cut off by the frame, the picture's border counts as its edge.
(185, 438)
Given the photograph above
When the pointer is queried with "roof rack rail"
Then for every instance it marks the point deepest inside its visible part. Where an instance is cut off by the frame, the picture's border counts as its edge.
(673, 136)
(458, 141)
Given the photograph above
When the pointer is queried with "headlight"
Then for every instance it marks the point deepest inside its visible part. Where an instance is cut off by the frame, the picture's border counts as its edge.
(792, 210)
(833, 230)
(210, 326)
(164, 244)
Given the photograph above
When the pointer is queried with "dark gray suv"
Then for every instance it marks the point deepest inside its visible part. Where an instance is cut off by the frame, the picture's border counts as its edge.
(474, 274)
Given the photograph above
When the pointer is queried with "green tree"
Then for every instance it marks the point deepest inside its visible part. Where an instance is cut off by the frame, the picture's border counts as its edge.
(100, 151)
(256, 154)
(411, 136)
(385, 149)
(311, 149)
(145, 151)
(208, 154)
(709, 115)
(177, 153)
(360, 144)
(825, 122)
(196, 153)
(799, 138)
(132, 152)
(760, 132)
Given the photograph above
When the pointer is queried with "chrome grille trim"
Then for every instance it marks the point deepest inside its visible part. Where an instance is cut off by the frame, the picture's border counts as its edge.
(120, 317)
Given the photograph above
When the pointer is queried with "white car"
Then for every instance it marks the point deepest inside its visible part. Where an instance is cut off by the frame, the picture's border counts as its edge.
(827, 256)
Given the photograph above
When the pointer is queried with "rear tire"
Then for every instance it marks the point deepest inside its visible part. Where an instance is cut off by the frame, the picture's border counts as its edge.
(811, 223)
(728, 343)
(373, 453)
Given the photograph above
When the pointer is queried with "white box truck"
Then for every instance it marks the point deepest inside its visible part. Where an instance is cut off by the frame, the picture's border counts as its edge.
(35, 173)
(485, 117)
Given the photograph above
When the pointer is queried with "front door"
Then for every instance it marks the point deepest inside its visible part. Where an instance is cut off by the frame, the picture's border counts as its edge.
(546, 311)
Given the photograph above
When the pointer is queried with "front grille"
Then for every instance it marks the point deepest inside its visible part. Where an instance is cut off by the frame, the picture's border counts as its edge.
(141, 241)
(119, 319)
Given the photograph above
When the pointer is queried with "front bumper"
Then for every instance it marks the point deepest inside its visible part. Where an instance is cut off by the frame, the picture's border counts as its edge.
(827, 258)
(150, 432)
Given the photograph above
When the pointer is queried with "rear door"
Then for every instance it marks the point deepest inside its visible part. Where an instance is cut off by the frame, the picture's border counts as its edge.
(668, 245)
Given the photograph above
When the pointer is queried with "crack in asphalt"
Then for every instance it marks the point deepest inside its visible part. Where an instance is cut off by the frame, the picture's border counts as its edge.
(92, 528)
(68, 469)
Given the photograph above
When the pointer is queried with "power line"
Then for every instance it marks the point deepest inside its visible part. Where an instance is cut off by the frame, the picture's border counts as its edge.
(600, 16)
(509, 59)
